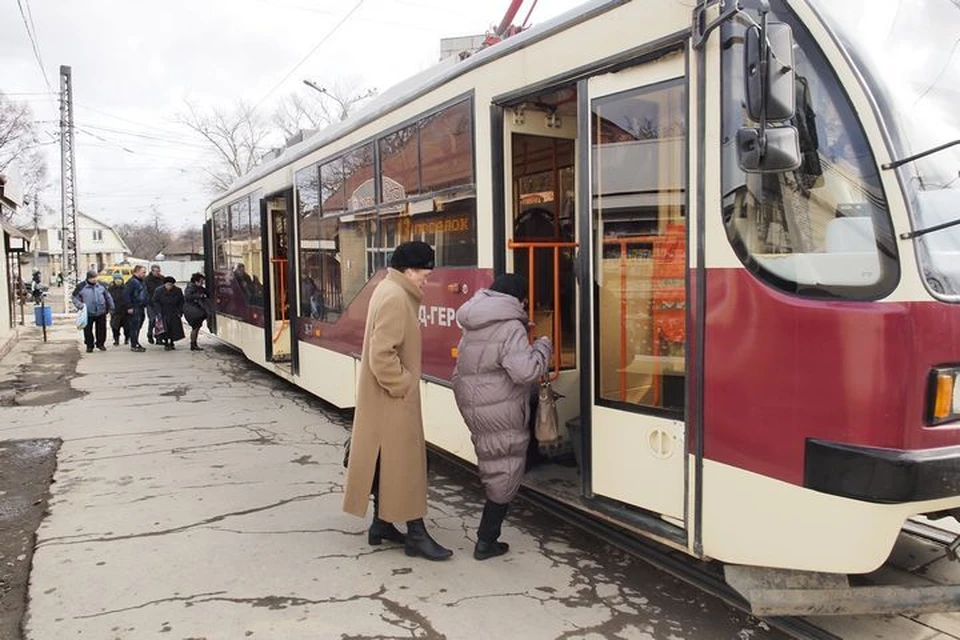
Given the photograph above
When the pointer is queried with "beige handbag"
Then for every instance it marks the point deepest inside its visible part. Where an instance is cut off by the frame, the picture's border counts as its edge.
(547, 427)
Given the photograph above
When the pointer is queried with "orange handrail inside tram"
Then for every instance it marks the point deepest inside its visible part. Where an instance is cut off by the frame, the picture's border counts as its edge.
(280, 265)
(556, 246)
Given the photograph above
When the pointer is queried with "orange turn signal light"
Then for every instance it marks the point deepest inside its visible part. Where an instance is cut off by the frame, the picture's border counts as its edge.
(943, 395)
(942, 405)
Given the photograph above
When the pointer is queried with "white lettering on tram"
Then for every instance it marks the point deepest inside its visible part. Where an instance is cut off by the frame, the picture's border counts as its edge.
(437, 316)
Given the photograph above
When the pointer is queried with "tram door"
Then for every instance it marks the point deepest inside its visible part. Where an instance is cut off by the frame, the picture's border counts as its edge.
(278, 264)
(638, 192)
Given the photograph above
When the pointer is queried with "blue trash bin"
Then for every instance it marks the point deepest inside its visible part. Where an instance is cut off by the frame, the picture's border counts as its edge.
(43, 316)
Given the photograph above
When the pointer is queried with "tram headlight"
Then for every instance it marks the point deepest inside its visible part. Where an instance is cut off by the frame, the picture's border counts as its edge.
(943, 395)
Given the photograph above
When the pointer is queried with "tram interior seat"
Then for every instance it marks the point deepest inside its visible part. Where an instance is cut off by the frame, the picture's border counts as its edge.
(851, 257)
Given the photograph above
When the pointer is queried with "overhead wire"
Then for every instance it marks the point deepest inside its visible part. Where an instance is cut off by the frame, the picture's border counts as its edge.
(33, 39)
(310, 53)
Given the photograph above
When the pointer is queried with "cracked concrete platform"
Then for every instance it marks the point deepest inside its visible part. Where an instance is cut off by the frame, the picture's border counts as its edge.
(196, 496)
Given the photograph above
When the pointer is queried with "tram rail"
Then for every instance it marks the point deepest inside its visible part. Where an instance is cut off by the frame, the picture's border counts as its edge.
(706, 576)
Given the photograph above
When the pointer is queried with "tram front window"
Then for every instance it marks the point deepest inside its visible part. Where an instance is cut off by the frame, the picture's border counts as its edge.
(822, 230)
(909, 54)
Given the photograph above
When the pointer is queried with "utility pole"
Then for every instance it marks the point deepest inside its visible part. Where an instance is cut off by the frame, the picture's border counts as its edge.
(69, 262)
(36, 231)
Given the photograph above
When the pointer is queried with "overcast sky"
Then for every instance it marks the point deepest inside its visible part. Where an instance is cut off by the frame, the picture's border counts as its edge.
(134, 63)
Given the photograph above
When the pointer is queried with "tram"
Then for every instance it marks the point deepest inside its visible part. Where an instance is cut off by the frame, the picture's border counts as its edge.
(739, 221)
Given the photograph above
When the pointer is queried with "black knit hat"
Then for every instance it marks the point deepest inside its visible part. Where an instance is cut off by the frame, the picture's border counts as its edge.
(511, 284)
(198, 277)
(412, 255)
(170, 279)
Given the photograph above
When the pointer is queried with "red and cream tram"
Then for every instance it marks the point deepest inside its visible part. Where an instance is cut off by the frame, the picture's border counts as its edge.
(739, 228)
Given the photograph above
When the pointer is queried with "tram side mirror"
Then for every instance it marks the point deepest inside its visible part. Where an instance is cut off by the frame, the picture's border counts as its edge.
(773, 150)
(774, 99)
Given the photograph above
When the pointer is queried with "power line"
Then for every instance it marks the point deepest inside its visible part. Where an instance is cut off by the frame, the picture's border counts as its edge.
(310, 53)
(33, 40)
(111, 115)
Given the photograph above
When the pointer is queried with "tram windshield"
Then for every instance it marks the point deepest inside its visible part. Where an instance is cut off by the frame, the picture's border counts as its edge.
(909, 53)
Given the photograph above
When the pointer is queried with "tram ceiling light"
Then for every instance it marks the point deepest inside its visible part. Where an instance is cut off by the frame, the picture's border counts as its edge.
(943, 395)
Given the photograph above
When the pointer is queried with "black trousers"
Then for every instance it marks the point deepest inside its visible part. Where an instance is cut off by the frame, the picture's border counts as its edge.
(491, 521)
(134, 322)
(117, 323)
(96, 324)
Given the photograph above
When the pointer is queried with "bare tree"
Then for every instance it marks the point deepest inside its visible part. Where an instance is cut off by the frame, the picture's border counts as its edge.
(21, 149)
(297, 112)
(320, 108)
(236, 138)
(145, 239)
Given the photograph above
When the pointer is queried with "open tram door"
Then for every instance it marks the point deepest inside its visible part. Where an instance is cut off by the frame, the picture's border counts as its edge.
(540, 153)
(276, 224)
(633, 238)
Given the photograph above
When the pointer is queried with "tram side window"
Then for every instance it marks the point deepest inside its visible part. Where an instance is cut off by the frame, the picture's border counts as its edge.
(254, 255)
(427, 193)
(220, 239)
(446, 148)
(248, 290)
(450, 230)
(400, 164)
(823, 230)
(308, 212)
(639, 195)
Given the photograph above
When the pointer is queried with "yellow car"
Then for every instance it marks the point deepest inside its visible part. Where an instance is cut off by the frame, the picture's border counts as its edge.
(107, 274)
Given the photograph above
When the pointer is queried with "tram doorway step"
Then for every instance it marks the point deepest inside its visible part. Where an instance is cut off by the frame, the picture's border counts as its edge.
(785, 592)
(280, 358)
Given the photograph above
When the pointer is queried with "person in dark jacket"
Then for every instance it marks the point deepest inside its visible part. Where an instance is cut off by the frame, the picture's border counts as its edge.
(496, 368)
(92, 294)
(135, 295)
(153, 281)
(118, 319)
(196, 305)
(168, 309)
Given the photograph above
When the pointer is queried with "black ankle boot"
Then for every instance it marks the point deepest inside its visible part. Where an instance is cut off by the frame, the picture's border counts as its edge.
(419, 542)
(485, 550)
(489, 530)
(381, 530)
(195, 347)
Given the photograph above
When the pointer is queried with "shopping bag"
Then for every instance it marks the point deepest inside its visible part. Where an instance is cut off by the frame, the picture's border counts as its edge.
(82, 318)
(547, 427)
(158, 326)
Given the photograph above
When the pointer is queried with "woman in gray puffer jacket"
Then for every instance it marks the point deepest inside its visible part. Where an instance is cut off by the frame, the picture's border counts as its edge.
(496, 368)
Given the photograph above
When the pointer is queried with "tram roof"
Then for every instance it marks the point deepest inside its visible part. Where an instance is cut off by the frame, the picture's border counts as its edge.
(415, 86)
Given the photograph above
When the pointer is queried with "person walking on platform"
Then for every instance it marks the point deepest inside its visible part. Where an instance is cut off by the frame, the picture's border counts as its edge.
(388, 455)
(118, 319)
(196, 307)
(167, 311)
(492, 380)
(153, 281)
(92, 294)
(135, 295)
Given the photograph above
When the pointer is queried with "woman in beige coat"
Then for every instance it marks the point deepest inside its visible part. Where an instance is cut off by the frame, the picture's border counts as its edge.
(388, 455)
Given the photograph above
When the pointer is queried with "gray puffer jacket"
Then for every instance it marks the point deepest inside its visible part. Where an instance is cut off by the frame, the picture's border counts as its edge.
(496, 366)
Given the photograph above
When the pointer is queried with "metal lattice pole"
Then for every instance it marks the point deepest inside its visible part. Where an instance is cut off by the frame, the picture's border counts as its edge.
(68, 187)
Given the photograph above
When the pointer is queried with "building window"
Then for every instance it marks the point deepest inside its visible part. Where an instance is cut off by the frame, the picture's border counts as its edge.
(98, 235)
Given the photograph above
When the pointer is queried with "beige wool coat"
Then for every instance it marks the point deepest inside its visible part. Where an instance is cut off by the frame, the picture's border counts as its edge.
(387, 420)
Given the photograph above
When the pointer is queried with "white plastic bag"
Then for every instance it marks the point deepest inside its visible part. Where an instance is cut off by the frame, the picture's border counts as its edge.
(82, 318)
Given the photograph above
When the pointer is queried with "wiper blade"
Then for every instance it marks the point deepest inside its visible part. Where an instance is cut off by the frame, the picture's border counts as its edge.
(936, 227)
(922, 154)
